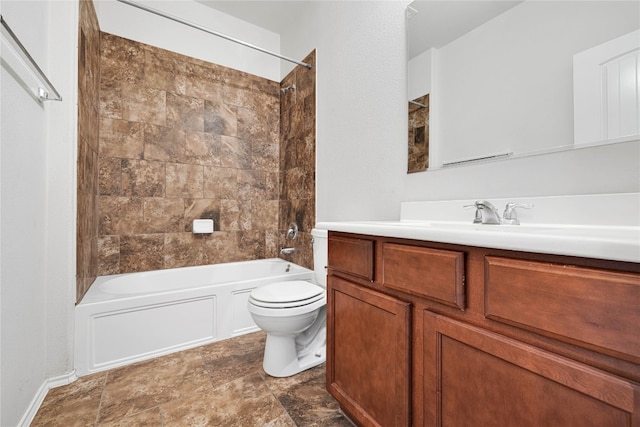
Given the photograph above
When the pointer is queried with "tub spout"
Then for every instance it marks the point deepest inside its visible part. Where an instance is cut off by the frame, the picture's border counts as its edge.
(287, 251)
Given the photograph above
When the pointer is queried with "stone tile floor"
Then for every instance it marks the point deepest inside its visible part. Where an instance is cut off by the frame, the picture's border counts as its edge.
(220, 384)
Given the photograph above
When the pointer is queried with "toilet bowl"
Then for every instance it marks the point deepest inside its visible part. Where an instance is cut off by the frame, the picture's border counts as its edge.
(293, 314)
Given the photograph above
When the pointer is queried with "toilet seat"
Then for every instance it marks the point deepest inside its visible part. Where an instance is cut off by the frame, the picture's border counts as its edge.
(290, 294)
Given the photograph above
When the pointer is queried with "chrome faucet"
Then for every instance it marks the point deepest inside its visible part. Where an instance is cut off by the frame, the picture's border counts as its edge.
(486, 213)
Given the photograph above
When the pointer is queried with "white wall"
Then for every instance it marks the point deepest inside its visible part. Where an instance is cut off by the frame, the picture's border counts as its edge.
(142, 26)
(61, 187)
(419, 75)
(361, 105)
(37, 216)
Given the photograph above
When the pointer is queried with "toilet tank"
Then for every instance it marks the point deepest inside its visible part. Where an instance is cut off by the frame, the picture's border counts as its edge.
(320, 248)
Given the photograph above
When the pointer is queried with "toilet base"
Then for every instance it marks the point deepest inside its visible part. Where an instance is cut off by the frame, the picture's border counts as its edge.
(286, 355)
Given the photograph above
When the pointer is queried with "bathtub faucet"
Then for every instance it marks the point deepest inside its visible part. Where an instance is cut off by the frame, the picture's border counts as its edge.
(287, 251)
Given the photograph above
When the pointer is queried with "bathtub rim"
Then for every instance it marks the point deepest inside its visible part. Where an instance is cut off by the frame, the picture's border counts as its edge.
(95, 295)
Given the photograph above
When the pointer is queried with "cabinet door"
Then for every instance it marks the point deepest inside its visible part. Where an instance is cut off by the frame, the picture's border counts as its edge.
(473, 377)
(368, 365)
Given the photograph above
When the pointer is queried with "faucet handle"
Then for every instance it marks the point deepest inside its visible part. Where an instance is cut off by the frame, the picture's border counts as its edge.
(478, 217)
(510, 215)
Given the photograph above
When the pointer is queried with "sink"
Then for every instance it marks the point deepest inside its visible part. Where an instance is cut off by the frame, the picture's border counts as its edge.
(499, 228)
(559, 229)
(612, 232)
(615, 232)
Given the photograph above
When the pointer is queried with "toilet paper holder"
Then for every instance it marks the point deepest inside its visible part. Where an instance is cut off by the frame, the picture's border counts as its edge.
(202, 226)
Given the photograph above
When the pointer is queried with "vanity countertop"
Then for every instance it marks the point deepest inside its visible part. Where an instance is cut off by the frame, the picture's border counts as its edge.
(619, 243)
(602, 226)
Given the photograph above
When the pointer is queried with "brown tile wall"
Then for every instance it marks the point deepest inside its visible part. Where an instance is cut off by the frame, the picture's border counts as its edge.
(87, 166)
(182, 139)
(418, 135)
(298, 160)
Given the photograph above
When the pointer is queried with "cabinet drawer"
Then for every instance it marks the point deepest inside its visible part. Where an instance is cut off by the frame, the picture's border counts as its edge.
(431, 273)
(351, 255)
(584, 306)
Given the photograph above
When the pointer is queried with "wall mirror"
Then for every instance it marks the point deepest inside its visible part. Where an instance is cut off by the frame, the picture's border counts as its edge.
(515, 78)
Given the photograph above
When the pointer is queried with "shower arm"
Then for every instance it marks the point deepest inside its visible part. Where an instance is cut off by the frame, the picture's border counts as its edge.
(215, 33)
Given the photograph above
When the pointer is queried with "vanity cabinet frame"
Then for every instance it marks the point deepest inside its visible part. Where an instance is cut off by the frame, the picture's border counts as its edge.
(536, 319)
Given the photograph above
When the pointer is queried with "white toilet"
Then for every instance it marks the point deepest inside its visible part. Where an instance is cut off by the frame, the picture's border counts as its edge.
(293, 314)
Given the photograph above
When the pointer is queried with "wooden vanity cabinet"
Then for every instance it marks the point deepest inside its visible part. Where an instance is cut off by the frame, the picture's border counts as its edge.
(429, 334)
(368, 360)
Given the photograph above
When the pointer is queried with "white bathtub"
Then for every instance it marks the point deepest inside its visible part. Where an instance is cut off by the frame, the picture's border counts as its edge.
(126, 318)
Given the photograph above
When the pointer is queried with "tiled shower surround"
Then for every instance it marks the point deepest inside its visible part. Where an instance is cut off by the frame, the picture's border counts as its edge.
(87, 166)
(298, 160)
(182, 139)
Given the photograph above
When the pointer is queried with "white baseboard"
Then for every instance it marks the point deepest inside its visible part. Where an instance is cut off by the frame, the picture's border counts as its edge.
(37, 400)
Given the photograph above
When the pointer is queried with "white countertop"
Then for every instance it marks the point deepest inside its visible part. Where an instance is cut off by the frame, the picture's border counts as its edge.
(613, 243)
(571, 225)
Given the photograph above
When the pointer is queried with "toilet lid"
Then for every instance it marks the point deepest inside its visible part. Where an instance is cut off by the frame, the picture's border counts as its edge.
(286, 292)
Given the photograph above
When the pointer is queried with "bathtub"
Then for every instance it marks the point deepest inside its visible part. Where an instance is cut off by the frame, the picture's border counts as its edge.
(126, 318)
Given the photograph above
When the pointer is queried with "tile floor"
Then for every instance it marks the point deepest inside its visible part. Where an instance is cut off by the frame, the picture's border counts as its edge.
(220, 384)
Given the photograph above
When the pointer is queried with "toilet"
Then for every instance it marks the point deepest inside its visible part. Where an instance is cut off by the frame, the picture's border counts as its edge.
(293, 314)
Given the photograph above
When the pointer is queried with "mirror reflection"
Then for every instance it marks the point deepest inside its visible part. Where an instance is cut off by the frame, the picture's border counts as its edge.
(507, 78)
(418, 134)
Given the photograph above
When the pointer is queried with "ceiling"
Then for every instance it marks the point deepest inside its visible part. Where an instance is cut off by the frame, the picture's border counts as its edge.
(268, 14)
(438, 23)
(435, 24)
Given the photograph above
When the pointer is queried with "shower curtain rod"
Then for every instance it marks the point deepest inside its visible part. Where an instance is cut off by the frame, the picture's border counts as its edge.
(13, 45)
(215, 33)
(419, 104)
